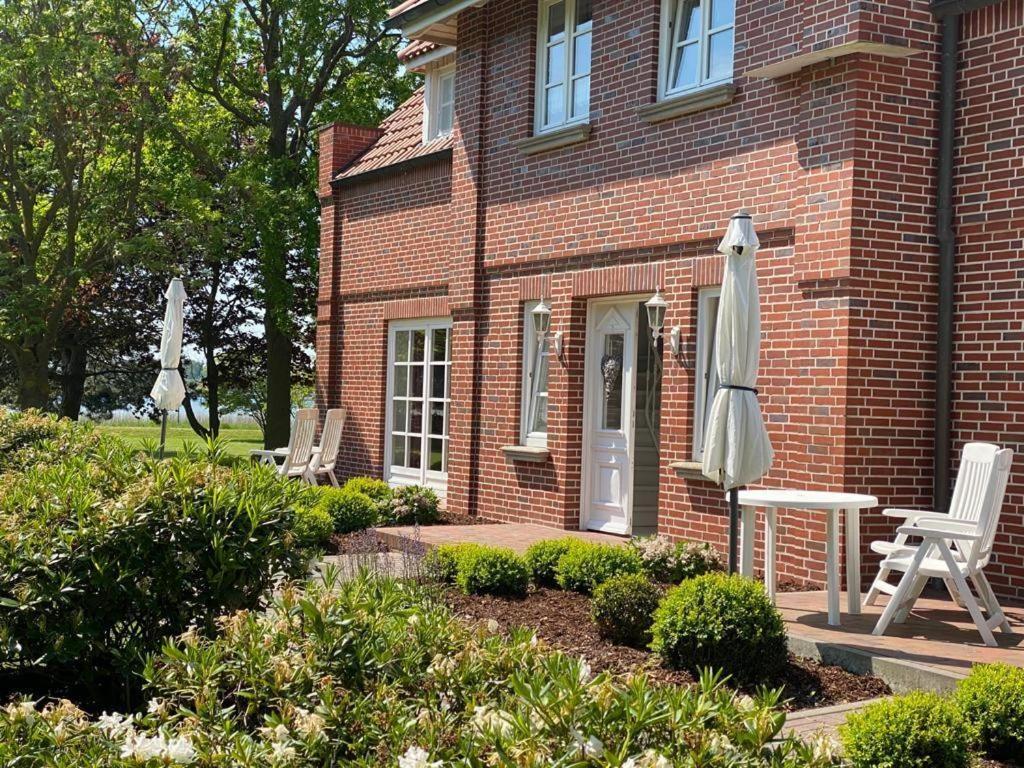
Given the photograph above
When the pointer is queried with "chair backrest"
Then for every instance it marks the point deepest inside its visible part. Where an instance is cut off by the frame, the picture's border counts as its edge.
(978, 496)
(300, 444)
(330, 438)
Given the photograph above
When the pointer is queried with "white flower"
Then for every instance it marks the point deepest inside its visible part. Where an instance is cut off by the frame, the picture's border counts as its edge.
(584, 671)
(114, 725)
(281, 753)
(745, 703)
(649, 759)
(308, 723)
(22, 710)
(177, 749)
(590, 747)
(417, 757)
(493, 626)
(486, 720)
(414, 619)
(823, 748)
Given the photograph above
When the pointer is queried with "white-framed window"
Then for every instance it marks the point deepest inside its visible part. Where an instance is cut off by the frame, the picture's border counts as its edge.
(697, 43)
(418, 391)
(533, 429)
(706, 370)
(438, 103)
(563, 63)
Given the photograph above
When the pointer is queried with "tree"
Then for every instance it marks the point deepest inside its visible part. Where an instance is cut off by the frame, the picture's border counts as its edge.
(280, 67)
(71, 140)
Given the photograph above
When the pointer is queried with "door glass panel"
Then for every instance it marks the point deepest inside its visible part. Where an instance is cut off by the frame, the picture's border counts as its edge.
(416, 381)
(402, 380)
(437, 418)
(398, 450)
(414, 452)
(418, 345)
(436, 454)
(611, 378)
(437, 380)
(401, 346)
(398, 423)
(416, 417)
(440, 345)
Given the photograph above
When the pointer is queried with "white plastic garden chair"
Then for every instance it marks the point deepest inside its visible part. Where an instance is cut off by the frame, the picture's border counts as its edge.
(325, 456)
(954, 547)
(295, 460)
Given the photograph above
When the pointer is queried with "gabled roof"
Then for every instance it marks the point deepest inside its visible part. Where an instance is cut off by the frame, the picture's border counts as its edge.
(398, 9)
(415, 49)
(401, 142)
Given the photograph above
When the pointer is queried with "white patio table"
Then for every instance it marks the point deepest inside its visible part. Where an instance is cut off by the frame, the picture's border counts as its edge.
(829, 503)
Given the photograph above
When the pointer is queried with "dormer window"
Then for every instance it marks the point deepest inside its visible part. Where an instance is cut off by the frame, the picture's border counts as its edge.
(696, 45)
(563, 63)
(439, 103)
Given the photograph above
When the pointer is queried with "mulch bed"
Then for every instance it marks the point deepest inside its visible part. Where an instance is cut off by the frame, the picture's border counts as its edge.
(562, 619)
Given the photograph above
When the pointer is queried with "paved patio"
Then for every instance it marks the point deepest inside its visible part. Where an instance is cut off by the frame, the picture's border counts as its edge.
(936, 646)
(517, 536)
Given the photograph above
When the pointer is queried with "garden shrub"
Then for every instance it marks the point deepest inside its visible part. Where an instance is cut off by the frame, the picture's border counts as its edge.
(491, 571)
(584, 567)
(919, 730)
(312, 525)
(413, 504)
(991, 698)
(670, 562)
(441, 564)
(370, 672)
(350, 510)
(376, 489)
(723, 622)
(103, 555)
(543, 556)
(623, 608)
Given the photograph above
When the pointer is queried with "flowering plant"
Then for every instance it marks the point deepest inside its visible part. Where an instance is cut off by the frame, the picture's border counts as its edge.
(671, 562)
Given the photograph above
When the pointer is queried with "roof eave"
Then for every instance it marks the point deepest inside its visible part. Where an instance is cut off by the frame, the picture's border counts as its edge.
(421, 17)
(394, 168)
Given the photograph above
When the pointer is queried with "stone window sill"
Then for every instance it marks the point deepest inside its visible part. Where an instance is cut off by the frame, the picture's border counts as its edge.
(531, 453)
(563, 137)
(691, 470)
(688, 103)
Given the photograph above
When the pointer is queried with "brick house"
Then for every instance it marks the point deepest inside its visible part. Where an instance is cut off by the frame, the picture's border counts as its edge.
(580, 155)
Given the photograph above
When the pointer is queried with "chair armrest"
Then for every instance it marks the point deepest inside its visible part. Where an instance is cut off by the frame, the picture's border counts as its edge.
(915, 514)
(942, 529)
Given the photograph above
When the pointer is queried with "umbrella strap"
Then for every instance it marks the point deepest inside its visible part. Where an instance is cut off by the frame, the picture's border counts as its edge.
(168, 369)
(737, 386)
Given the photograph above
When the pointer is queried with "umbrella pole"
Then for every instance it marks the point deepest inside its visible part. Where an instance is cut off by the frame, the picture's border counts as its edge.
(163, 433)
(734, 528)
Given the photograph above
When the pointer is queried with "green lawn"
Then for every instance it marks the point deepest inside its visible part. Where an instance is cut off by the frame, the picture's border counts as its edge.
(239, 439)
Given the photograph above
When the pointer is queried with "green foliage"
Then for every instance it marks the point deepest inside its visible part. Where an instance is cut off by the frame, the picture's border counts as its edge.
(670, 562)
(723, 622)
(367, 672)
(623, 608)
(104, 552)
(587, 565)
(919, 730)
(413, 504)
(350, 510)
(441, 564)
(991, 698)
(376, 489)
(312, 525)
(492, 571)
(542, 559)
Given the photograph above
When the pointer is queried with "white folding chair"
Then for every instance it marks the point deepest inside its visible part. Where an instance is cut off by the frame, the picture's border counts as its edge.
(300, 445)
(325, 456)
(954, 547)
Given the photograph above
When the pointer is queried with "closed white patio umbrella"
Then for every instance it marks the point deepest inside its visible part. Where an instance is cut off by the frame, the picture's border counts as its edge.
(737, 450)
(169, 389)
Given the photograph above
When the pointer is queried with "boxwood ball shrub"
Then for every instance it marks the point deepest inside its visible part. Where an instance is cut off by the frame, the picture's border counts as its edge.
(312, 525)
(374, 673)
(991, 698)
(723, 622)
(441, 564)
(623, 608)
(491, 571)
(543, 556)
(919, 730)
(375, 488)
(587, 565)
(349, 509)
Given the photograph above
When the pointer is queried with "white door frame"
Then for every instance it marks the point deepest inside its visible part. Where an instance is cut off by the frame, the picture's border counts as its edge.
(589, 404)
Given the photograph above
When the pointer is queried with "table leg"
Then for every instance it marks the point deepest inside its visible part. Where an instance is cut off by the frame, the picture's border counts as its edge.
(769, 552)
(832, 565)
(853, 561)
(747, 542)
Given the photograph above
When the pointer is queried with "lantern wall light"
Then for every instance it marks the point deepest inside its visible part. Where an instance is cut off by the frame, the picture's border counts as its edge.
(656, 306)
(542, 325)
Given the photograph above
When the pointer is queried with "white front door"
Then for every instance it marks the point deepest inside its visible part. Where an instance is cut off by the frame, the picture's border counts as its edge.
(609, 393)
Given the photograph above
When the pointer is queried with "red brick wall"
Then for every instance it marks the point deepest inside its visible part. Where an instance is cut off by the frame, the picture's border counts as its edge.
(837, 164)
(989, 339)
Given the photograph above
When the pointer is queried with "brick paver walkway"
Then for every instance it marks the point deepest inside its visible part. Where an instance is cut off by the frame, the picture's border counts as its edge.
(517, 536)
(826, 721)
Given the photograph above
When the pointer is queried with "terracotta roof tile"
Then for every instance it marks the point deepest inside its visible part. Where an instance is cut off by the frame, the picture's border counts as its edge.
(404, 6)
(416, 48)
(402, 140)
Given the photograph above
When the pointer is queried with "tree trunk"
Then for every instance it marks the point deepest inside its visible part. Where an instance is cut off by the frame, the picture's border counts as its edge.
(73, 367)
(190, 414)
(33, 378)
(279, 380)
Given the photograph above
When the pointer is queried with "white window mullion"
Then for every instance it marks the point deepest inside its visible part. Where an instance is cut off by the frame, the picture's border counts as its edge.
(710, 38)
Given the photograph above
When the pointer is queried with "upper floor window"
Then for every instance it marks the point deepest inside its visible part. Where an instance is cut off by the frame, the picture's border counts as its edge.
(696, 44)
(439, 103)
(563, 63)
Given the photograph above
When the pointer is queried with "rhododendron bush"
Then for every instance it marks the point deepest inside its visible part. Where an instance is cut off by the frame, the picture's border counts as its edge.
(375, 672)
